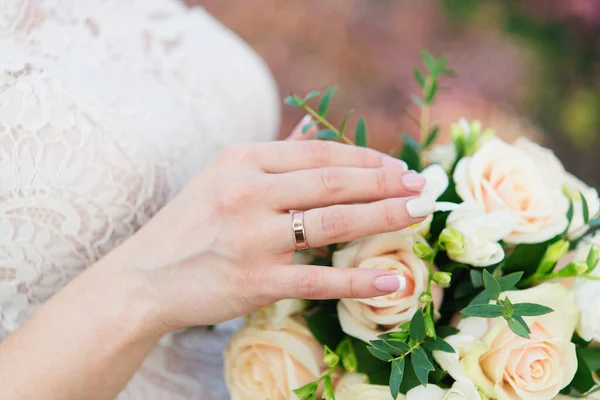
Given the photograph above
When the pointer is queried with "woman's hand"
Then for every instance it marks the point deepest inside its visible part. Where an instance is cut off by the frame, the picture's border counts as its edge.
(224, 246)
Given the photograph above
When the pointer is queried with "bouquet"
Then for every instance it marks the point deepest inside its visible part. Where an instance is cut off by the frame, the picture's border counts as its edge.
(502, 297)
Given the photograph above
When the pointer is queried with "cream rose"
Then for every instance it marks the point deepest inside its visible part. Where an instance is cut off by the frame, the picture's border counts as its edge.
(353, 386)
(555, 171)
(275, 315)
(507, 367)
(269, 364)
(462, 389)
(365, 319)
(504, 177)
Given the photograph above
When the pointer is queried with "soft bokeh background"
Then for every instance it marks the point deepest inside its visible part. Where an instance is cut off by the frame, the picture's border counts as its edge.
(524, 66)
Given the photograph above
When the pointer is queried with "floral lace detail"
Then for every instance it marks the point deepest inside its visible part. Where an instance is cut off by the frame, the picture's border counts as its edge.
(107, 108)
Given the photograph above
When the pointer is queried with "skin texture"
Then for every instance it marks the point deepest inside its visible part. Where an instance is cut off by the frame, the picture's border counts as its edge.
(222, 248)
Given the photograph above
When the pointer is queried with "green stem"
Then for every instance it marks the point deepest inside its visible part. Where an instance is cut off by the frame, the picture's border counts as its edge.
(402, 356)
(326, 124)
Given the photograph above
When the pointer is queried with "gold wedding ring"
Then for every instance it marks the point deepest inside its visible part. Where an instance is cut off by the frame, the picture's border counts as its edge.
(299, 233)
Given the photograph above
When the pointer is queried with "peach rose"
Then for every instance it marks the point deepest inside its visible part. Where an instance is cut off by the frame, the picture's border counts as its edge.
(275, 315)
(269, 364)
(556, 172)
(365, 319)
(508, 367)
(354, 386)
(500, 176)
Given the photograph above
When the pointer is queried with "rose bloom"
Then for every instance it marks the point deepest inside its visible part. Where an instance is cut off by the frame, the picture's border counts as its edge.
(462, 389)
(555, 171)
(354, 386)
(505, 366)
(500, 176)
(365, 319)
(265, 364)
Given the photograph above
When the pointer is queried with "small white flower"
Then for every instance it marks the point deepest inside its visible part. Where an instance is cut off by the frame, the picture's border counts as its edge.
(481, 233)
(462, 389)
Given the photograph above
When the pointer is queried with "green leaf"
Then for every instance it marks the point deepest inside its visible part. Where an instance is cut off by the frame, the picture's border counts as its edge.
(361, 133)
(344, 122)
(410, 153)
(392, 346)
(431, 137)
(431, 92)
(429, 60)
(312, 94)
(346, 352)
(476, 278)
(585, 209)
(594, 223)
(325, 101)
(419, 77)
(294, 101)
(328, 393)
(509, 281)
(323, 323)
(327, 134)
(445, 331)
(492, 287)
(417, 100)
(421, 364)
(483, 311)
(525, 257)
(438, 345)
(570, 212)
(518, 328)
(307, 390)
(417, 326)
(308, 127)
(522, 322)
(530, 309)
(378, 371)
(396, 377)
(380, 354)
(583, 379)
(592, 258)
(481, 298)
(591, 355)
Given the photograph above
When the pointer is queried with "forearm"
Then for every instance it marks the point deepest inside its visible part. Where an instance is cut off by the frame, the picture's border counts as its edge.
(85, 342)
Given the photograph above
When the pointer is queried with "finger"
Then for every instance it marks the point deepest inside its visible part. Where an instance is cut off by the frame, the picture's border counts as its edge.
(344, 223)
(310, 188)
(287, 156)
(297, 133)
(317, 283)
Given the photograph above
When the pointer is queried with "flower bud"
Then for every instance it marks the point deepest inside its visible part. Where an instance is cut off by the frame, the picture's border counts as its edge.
(442, 279)
(556, 251)
(422, 250)
(581, 268)
(425, 298)
(453, 242)
(330, 358)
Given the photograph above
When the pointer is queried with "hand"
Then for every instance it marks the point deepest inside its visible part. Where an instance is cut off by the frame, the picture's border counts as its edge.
(224, 246)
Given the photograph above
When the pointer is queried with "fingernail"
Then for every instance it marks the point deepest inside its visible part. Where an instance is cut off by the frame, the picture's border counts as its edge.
(420, 207)
(390, 283)
(393, 162)
(413, 181)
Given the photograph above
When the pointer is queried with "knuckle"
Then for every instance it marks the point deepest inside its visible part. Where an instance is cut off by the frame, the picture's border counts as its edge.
(330, 180)
(390, 215)
(335, 223)
(382, 181)
(235, 153)
(231, 198)
(319, 151)
(353, 285)
(370, 158)
(251, 285)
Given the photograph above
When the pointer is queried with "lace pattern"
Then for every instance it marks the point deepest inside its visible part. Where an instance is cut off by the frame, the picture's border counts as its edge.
(107, 108)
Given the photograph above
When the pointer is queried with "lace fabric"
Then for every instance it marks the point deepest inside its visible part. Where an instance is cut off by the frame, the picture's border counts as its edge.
(107, 108)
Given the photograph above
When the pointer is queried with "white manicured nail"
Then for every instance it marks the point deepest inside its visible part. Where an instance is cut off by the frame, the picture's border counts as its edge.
(391, 283)
(420, 207)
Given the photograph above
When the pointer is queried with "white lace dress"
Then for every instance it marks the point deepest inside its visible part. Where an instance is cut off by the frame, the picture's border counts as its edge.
(107, 108)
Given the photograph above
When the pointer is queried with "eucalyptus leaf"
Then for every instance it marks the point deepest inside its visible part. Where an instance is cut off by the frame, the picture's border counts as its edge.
(483, 311)
(522, 322)
(326, 101)
(429, 60)
(431, 137)
(583, 379)
(344, 122)
(380, 354)
(492, 286)
(431, 92)
(508, 282)
(361, 133)
(293, 101)
(396, 377)
(585, 209)
(419, 77)
(421, 364)
(347, 354)
(326, 134)
(438, 345)
(476, 278)
(530, 309)
(518, 328)
(312, 94)
(591, 355)
(410, 153)
(417, 326)
(308, 127)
